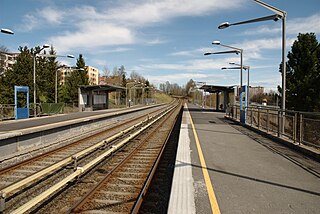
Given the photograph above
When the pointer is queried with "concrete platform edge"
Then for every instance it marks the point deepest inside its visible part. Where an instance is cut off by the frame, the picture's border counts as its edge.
(182, 190)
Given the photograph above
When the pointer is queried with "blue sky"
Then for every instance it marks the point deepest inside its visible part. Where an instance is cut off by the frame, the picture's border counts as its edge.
(161, 40)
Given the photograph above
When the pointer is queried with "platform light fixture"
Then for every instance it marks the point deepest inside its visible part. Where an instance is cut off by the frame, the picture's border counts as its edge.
(279, 14)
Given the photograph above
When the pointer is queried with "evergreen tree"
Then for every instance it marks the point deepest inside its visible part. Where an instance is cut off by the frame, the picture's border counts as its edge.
(50, 76)
(77, 78)
(21, 74)
(303, 74)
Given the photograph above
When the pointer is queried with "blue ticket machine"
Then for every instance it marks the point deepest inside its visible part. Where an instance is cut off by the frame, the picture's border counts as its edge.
(243, 103)
(21, 102)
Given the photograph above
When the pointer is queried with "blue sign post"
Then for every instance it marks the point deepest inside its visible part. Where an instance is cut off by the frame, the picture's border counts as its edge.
(21, 105)
(243, 108)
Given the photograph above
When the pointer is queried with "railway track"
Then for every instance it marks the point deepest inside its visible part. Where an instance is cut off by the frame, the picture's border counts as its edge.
(29, 185)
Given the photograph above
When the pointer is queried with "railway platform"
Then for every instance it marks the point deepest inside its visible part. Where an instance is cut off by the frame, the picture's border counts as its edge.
(20, 136)
(15, 125)
(221, 167)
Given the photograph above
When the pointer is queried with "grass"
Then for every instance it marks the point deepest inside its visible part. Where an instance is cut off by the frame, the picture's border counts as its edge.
(162, 98)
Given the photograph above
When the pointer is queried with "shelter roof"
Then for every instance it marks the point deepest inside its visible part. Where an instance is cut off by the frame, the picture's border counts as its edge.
(217, 88)
(106, 87)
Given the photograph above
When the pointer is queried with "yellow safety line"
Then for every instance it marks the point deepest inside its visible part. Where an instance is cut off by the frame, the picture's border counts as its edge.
(212, 197)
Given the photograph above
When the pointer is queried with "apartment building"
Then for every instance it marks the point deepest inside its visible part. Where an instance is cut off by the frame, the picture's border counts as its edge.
(93, 74)
(7, 60)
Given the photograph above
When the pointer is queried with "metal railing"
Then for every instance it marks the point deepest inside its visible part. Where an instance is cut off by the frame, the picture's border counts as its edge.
(299, 127)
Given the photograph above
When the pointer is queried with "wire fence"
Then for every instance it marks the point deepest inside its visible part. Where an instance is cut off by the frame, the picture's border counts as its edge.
(299, 127)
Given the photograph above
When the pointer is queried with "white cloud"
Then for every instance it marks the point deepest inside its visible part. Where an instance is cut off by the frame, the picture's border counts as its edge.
(190, 66)
(113, 50)
(156, 42)
(50, 15)
(90, 36)
(148, 12)
(91, 27)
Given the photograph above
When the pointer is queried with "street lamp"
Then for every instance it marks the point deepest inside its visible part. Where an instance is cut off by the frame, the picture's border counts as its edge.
(135, 87)
(279, 14)
(56, 80)
(203, 93)
(235, 50)
(245, 67)
(7, 31)
(34, 77)
(130, 91)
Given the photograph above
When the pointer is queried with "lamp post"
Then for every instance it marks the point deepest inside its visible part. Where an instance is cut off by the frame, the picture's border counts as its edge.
(237, 51)
(6, 31)
(56, 78)
(135, 87)
(203, 94)
(34, 78)
(127, 91)
(279, 14)
(245, 67)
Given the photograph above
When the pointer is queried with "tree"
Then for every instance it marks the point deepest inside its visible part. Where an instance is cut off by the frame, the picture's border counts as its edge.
(189, 86)
(77, 78)
(46, 77)
(106, 72)
(303, 74)
(21, 75)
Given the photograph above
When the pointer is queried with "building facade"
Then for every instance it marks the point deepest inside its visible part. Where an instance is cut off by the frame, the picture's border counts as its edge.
(7, 60)
(93, 74)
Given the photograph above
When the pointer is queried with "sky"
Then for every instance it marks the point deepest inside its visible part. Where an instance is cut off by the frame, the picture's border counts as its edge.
(162, 40)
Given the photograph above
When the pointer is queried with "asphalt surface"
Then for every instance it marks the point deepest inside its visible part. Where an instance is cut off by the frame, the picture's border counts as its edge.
(249, 173)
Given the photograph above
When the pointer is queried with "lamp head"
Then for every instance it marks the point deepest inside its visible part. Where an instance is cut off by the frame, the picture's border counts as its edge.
(277, 17)
(206, 54)
(216, 42)
(45, 46)
(7, 31)
(223, 68)
(232, 63)
(224, 25)
(70, 56)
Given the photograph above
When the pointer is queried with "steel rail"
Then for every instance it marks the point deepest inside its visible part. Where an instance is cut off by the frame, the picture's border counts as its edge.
(83, 200)
(14, 166)
(54, 167)
(81, 170)
(145, 187)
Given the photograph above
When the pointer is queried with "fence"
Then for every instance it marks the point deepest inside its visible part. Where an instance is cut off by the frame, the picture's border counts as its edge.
(300, 127)
(7, 110)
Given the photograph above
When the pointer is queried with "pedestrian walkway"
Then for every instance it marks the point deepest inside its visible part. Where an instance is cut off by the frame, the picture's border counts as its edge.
(220, 169)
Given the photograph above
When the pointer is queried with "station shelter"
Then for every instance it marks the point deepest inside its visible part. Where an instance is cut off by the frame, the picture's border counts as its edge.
(96, 97)
(225, 95)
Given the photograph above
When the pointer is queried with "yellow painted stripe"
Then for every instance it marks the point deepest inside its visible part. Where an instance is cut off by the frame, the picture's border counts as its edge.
(212, 197)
